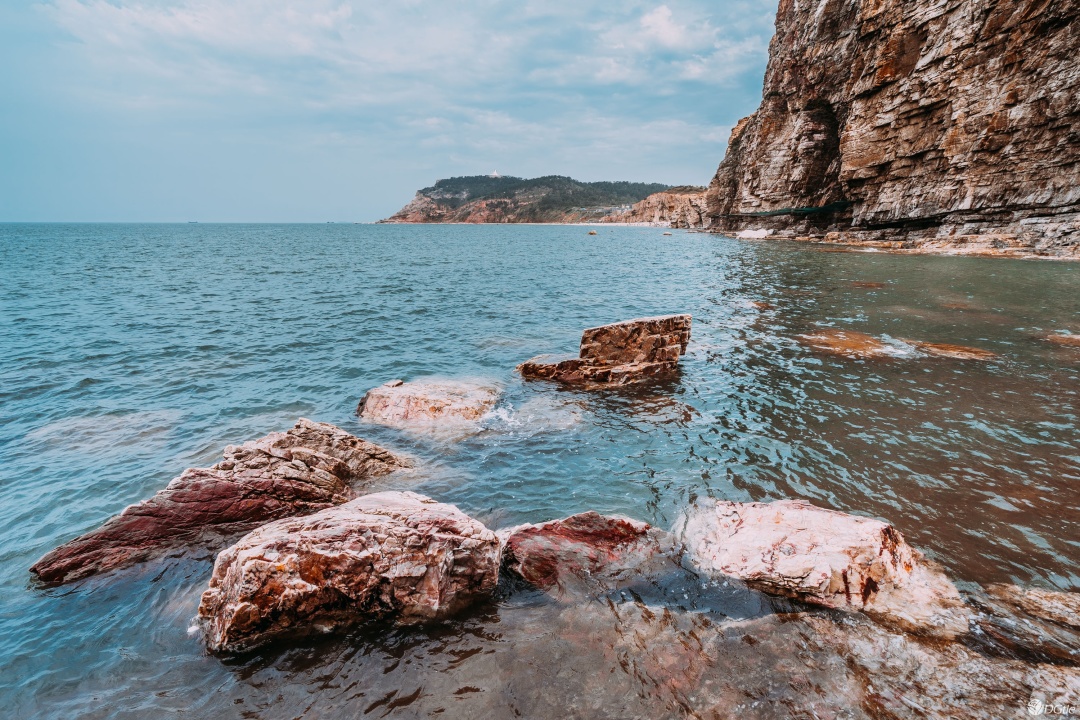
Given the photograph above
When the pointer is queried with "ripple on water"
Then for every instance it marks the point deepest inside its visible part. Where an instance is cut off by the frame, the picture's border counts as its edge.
(128, 353)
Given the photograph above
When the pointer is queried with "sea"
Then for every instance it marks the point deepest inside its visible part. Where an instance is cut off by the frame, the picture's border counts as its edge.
(130, 352)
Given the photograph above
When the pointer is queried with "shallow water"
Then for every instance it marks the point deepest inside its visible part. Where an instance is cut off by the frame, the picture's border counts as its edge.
(129, 352)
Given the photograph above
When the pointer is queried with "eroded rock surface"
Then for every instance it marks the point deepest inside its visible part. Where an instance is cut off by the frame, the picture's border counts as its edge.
(308, 468)
(823, 557)
(678, 207)
(940, 126)
(394, 556)
(427, 403)
(1041, 624)
(619, 353)
(587, 549)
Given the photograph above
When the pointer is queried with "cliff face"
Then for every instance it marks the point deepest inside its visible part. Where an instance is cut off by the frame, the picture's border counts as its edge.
(679, 207)
(925, 124)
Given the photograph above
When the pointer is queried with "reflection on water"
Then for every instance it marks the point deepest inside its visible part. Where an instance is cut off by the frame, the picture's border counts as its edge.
(130, 352)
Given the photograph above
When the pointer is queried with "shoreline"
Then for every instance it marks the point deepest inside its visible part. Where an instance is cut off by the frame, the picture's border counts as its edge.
(972, 246)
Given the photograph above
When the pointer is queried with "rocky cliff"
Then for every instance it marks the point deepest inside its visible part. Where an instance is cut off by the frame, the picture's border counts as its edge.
(499, 199)
(677, 207)
(924, 124)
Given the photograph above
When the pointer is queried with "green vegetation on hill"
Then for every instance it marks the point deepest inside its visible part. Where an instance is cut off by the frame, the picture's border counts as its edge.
(551, 193)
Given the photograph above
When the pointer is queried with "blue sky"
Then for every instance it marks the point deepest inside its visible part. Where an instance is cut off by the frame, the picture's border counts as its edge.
(252, 110)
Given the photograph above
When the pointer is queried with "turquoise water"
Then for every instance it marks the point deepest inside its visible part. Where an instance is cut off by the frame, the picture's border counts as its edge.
(129, 352)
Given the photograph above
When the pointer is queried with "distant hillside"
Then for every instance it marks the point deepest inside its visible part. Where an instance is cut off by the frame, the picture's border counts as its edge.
(550, 199)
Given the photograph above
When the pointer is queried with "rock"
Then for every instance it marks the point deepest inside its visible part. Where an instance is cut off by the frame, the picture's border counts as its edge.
(394, 556)
(588, 548)
(593, 232)
(956, 352)
(678, 207)
(619, 353)
(857, 345)
(306, 469)
(1063, 339)
(1040, 624)
(866, 285)
(420, 404)
(823, 557)
(922, 125)
(849, 343)
(907, 677)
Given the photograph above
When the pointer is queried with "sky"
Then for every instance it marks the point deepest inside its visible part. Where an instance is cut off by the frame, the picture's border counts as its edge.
(339, 110)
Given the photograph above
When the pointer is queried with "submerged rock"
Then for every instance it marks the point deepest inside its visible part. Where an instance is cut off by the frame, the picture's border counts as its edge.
(397, 556)
(956, 352)
(848, 343)
(1063, 339)
(906, 677)
(617, 354)
(306, 469)
(1042, 624)
(858, 345)
(585, 549)
(823, 557)
(420, 404)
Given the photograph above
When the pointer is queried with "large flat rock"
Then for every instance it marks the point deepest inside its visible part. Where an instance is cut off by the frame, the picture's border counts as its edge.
(394, 556)
(823, 557)
(311, 467)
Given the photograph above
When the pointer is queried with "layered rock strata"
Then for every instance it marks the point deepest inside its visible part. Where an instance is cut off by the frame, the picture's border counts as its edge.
(309, 468)
(824, 557)
(1035, 623)
(421, 404)
(617, 354)
(679, 207)
(394, 556)
(944, 126)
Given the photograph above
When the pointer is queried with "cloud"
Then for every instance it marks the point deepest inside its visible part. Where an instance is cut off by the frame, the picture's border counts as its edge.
(639, 89)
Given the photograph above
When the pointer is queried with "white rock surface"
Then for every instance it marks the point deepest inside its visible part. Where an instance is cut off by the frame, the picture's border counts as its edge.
(428, 403)
(824, 557)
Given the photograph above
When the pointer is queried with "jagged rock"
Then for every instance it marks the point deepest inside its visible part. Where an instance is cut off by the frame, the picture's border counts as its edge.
(928, 125)
(585, 549)
(678, 207)
(1042, 624)
(394, 556)
(619, 353)
(306, 469)
(823, 557)
(419, 404)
